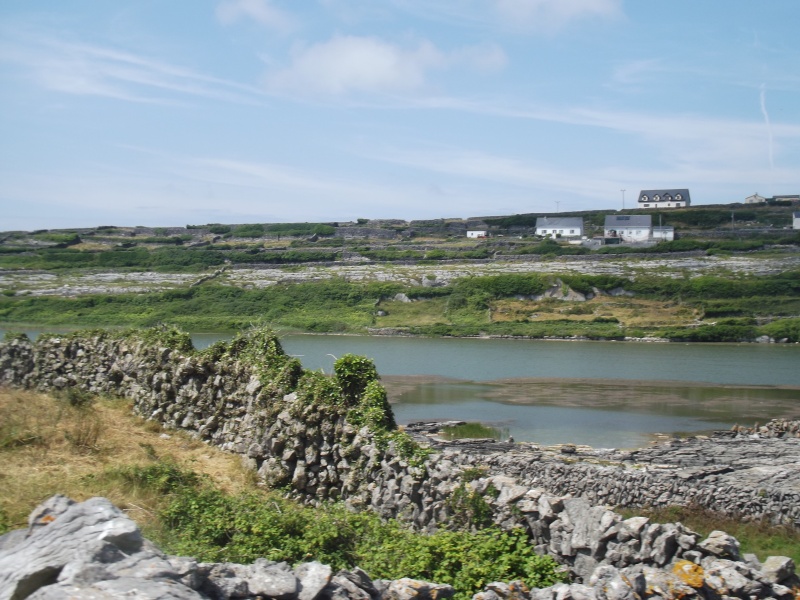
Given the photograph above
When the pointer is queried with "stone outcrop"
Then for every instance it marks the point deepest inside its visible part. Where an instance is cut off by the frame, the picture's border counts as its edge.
(93, 550)
(249, 398)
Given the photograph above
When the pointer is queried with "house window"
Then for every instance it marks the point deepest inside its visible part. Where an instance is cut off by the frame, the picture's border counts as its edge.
(678, 197)
(572, 231)
(656, 198)
(646, 205)
(644, 198)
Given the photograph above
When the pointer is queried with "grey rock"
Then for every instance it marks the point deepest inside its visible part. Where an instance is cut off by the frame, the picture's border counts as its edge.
(268, 578)
(125, 587)
(609, 584)
(412, 589)
(719, 543)
(732, 578)
(342, 588)
(778, 569)
(38, 560)
(48, 511)
(313, 577)
(361, 580)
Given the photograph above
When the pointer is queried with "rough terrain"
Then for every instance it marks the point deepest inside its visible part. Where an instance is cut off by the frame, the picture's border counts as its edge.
(241, 399)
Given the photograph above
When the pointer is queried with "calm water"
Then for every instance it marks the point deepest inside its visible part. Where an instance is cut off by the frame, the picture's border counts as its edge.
(604, 394)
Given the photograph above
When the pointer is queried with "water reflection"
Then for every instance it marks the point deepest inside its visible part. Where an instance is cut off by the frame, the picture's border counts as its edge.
(596, 413)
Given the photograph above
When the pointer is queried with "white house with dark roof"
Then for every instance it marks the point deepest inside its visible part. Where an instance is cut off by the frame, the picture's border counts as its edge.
(629, 228)
(796, 220)
(755, 199)
(567, 227)
(677, 198)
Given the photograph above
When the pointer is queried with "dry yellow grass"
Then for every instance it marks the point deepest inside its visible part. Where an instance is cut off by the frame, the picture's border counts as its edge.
(631, 312)
(48, 446)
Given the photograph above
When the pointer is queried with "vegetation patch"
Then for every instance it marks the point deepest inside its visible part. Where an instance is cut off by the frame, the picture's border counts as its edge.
(193, 499)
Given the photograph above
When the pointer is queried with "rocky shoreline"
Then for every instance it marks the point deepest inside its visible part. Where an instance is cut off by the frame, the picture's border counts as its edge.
(242, 398)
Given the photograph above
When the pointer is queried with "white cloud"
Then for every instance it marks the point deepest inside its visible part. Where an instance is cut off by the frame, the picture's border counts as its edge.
(354, 64)
(553, 13)
(261, 11)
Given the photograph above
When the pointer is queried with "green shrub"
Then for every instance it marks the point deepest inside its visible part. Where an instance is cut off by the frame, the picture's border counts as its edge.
(353, 373)
(251, 231)
(212, 526)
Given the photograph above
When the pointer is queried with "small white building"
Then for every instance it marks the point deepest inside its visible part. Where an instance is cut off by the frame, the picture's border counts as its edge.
(678, 198)
(755, 199)
(796, 220)
(664, 233)
(566, 227)
(477, 234)
(628, 228)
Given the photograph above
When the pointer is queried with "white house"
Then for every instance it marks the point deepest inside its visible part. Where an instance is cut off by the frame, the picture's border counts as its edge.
(628, 228)
(678, 198)
(796, 220)
(567, 227)
(477, 234)
(755, 199)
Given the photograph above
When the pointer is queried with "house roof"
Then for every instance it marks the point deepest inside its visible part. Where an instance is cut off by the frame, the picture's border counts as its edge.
(559, 222)
(796, 215)
(664, 195)
(617, 221)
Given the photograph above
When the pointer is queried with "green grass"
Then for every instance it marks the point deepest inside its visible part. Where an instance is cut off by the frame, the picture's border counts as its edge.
(474, 431)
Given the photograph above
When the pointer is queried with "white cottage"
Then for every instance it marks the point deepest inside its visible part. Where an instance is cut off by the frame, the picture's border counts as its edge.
(477, 234)
(566, 227)
(796, 220)
(675, 198)
(629, 228)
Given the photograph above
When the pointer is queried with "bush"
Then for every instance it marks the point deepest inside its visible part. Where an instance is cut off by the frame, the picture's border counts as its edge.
(353, 373)
(213, 526)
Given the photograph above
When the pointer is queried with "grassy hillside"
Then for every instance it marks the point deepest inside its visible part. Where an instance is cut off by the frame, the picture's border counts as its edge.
(706, 308)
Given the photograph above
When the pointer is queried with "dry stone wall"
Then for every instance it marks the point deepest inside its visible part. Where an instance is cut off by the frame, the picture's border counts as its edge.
(249, 398)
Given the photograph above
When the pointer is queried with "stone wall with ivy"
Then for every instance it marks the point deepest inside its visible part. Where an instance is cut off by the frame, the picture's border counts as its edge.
(324, 437)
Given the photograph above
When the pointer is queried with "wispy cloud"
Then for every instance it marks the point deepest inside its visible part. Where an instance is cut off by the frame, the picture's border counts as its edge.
(543, 14)
(263, 12)
(357, 64)
(521, 15)
(88, 69)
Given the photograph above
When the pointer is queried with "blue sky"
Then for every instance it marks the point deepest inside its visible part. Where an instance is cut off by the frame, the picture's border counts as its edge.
(235, 111)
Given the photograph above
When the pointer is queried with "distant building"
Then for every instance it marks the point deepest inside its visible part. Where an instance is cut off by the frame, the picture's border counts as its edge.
(628, 228)
(664, 233)
(786, 198)
(796, 220)
(664, 199)
(477, 234)
(755, 199)
(568, 227)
